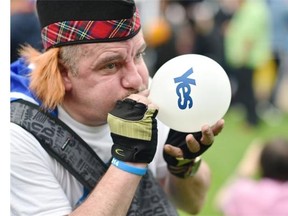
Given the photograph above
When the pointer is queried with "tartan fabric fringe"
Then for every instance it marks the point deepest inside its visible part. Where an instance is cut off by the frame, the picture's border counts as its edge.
(77, 32)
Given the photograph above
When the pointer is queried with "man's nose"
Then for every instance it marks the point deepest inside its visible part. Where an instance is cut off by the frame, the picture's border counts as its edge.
(131, 76)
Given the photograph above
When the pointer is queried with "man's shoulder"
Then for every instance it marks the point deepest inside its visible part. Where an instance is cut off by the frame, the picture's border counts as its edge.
(21, 137)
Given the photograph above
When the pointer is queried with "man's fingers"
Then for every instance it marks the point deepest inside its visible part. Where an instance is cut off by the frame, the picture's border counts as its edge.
(141, 98)
(173, 151)
(217, 128)
(192, 143)
(144, 92)
(198, 145)
(207, 135)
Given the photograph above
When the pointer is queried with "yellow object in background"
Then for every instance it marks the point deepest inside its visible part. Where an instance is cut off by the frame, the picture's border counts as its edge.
(264, 79)
(157, 33)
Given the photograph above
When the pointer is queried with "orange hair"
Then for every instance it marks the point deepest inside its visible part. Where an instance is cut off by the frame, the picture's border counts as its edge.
(46, 81)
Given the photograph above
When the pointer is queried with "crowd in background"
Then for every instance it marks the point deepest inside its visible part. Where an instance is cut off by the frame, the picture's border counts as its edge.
(24, 26)
(248, 38)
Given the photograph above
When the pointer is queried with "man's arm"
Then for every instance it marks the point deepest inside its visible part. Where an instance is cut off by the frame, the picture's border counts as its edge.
(115, 201)
(134, 132)
(189, 194)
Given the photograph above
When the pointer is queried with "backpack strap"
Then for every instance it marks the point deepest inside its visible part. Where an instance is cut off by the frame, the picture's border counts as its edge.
(60, 141)
(150, 199)
(75, 155)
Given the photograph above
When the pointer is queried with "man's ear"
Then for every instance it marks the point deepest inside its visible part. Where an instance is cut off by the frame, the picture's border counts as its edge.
(66, 76)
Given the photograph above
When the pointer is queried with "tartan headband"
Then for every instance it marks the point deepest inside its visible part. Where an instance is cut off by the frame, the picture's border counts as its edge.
(76, 32)
(66, 22)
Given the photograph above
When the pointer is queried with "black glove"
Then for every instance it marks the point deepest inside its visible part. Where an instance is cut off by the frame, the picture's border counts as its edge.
(184, 166)
(134, 131)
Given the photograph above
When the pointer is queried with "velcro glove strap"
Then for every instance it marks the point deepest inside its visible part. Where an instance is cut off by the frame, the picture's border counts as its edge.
(186, 166)
(134, 131)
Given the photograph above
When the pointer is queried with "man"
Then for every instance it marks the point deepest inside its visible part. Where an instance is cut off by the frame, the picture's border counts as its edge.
(92, 73)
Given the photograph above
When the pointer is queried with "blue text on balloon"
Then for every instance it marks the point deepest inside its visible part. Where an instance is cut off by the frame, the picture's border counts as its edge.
(183, 89)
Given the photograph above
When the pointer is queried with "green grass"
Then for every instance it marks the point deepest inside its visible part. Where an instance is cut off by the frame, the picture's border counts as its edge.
(229, 147)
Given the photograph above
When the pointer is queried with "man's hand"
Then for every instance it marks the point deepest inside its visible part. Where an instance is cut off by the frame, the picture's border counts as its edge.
(134, 129)
(183, 148)
(195, 141)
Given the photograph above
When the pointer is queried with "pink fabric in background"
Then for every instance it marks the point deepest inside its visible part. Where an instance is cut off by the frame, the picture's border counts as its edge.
(257, 198)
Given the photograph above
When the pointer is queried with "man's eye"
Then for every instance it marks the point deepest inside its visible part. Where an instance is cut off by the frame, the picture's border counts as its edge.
(140, 54)
(111, 66)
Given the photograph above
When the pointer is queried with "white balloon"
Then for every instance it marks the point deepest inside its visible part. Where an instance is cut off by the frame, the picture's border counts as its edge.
(190, 90)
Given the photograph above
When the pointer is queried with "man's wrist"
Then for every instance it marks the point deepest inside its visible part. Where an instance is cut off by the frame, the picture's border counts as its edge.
(186, 170)
(140, 171)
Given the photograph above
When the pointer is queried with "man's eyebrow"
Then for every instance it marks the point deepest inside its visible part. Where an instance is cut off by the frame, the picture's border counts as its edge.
(117, 57)
(104, 60)
(110, 58)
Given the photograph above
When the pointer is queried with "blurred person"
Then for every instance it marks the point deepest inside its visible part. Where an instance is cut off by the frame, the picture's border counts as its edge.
(180, 41)
(221, 19)
(94, 83)
(149, 11)
(279, 31)
(207, 40)
(160, 39)
(174, 33)
(246, 47)
(259, 186)
(24, 27)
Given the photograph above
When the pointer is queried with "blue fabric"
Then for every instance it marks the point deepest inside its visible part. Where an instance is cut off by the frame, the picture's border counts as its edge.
(19, 82)
(19, 78)
(279, 18)
(86, 192)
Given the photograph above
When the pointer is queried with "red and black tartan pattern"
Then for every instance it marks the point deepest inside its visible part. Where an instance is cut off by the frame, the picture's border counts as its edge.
(76, 32)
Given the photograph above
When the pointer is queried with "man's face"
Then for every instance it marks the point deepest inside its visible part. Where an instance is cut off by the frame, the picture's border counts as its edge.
(107, 72)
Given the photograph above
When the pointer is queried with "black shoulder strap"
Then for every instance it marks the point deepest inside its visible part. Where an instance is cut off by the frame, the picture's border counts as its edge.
(60, 142)
(81, 161)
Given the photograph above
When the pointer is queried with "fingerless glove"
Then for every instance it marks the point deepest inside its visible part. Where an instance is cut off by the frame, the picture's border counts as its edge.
(183, 167)
(134, 131)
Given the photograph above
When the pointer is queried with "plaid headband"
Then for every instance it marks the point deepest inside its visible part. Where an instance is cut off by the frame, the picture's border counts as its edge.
(77, 32)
